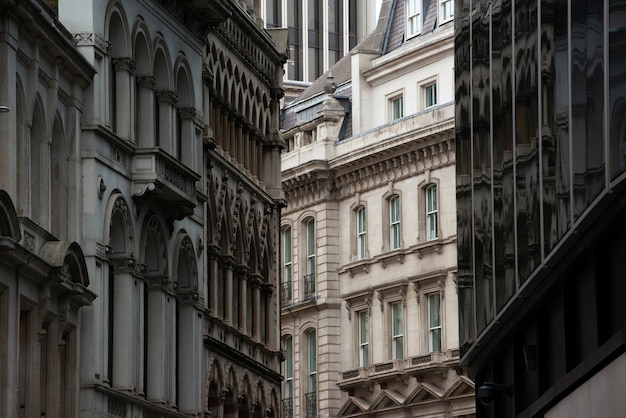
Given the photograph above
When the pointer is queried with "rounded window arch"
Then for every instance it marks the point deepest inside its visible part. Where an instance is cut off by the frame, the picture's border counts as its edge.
(119, 227)
(9, 224)
(186, 266)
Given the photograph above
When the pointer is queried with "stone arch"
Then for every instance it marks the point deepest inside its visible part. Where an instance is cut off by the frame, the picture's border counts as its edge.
(142, 49)
(119, 229)
(23, 183)
(213, 398)
(59, 154)
(68, 256)
(185, 261)
(184, 84)
(153, 253)
(9, 225)
(117, 31)
(162, 65)
(39, 160)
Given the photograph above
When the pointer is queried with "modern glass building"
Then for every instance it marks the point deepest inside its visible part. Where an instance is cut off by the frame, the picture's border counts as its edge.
(541, 161)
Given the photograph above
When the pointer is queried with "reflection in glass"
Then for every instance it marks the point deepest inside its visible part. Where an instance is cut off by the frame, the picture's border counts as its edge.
(502, 126)
(587, 101)
(617, 85)
(481, 145)
(467, 330)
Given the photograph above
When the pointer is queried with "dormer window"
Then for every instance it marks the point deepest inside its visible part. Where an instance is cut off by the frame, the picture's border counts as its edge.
(414, 18)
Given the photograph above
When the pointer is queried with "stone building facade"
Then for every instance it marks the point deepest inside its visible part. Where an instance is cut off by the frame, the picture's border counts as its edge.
(140, 209)
(369, 314)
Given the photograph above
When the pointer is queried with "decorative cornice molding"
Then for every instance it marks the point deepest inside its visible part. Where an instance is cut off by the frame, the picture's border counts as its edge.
(92, 39)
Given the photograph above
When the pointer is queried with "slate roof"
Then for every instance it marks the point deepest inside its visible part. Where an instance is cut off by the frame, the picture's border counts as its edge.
(388, 36)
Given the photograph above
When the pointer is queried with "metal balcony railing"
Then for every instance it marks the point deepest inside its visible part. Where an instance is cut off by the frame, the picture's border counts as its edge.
(285, 294)
(288, 408)
(311, 405)
(309, 286)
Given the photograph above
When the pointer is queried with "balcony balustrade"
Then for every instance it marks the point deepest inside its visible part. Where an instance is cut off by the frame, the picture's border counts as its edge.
(288, 408)
(285, 294)
(157, 175)
(311, 404)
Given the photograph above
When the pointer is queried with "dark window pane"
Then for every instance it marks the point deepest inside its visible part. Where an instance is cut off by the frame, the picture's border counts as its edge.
(482, 173)
(526, 138)
(463, 140)
(587, 102)
(617, 85)
(502, 120)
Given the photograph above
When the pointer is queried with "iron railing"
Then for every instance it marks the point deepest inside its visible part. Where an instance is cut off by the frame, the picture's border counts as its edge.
(285, 295)
(288, 408)
(311, 405)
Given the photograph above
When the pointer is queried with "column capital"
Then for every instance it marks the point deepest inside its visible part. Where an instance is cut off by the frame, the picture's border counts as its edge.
(124, 64)
(146, 81)
(167, 96)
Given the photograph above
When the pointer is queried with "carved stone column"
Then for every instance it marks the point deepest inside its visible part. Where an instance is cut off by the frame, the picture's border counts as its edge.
(167, 100)
(146, 137)
(158, 290)
(123, 107)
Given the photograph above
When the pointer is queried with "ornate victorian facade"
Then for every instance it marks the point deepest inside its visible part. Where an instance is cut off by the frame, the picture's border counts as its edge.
(140, 202)
(369, 287)
(44, 279)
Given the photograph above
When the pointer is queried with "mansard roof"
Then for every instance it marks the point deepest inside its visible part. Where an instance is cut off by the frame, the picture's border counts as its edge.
(388, 36)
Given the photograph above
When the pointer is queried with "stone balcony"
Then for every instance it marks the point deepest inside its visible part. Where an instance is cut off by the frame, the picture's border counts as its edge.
(158, 176)
(402, 368)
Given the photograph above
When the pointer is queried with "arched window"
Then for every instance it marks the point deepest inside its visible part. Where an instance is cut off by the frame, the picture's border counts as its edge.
(287, 266)
(361, 233)
(309, 271)
(432, 224)
(310, 395)
(394, 223)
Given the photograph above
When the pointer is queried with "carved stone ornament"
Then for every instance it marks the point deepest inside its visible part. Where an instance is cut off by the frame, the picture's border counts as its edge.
(146, 81)
(124, 64)
(329, 85)
(166, 96)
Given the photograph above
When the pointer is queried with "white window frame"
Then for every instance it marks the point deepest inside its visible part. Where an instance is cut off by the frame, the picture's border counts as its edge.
(288, 258)
(432, 212)
(395, 216)
(361, 233)
(312, 361)
(430, 96)
(364, 339)
(397, 335)
(434, 329)
(413, 18)
(396, 113)
(310, 246)
(446, 11)
(289, 367)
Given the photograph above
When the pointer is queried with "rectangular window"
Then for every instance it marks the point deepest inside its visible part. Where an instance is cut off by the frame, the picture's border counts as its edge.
(311, 395)
(434, 322)
(397, 108)
(309, 278)
(430, 95)
(361, 234)
(446, 10)
(431, 212)
(273, 14)
(287, 264)
(394, 223)
(397, 330)
(364, 339)
(294, 26)
(414, 18)
(288, 373)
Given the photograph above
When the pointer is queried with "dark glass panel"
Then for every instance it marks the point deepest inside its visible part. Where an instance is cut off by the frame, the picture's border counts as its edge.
(294, 22)
(587, 102)
(555, 119)
(463, 175)
(502, 122)
(617, 85)
(272, 13)
(315, 39)
(482, 173)
(352, 23)
(526, 138)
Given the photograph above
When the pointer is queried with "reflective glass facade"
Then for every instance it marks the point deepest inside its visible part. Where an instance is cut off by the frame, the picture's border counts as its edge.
(541, 155)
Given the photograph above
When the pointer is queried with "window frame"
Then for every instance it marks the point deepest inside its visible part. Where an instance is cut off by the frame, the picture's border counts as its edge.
(289, 363)
(363, 343)
(397, 338)
(397, 98)
(427, 94)
(361, 232)
(431, 211)
(433, 329)
(287, 263)
(442, 16)
(413, 14)
(395, 225)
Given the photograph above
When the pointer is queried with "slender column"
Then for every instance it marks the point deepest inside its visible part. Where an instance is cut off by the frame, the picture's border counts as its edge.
(146, 136)
(124, 72)
(124, 328)
(241, 301)
(186, 139)
(256, 310)
(190, 353)
(167, 101)
(156, 289)
(212, 255)
(228, 289)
